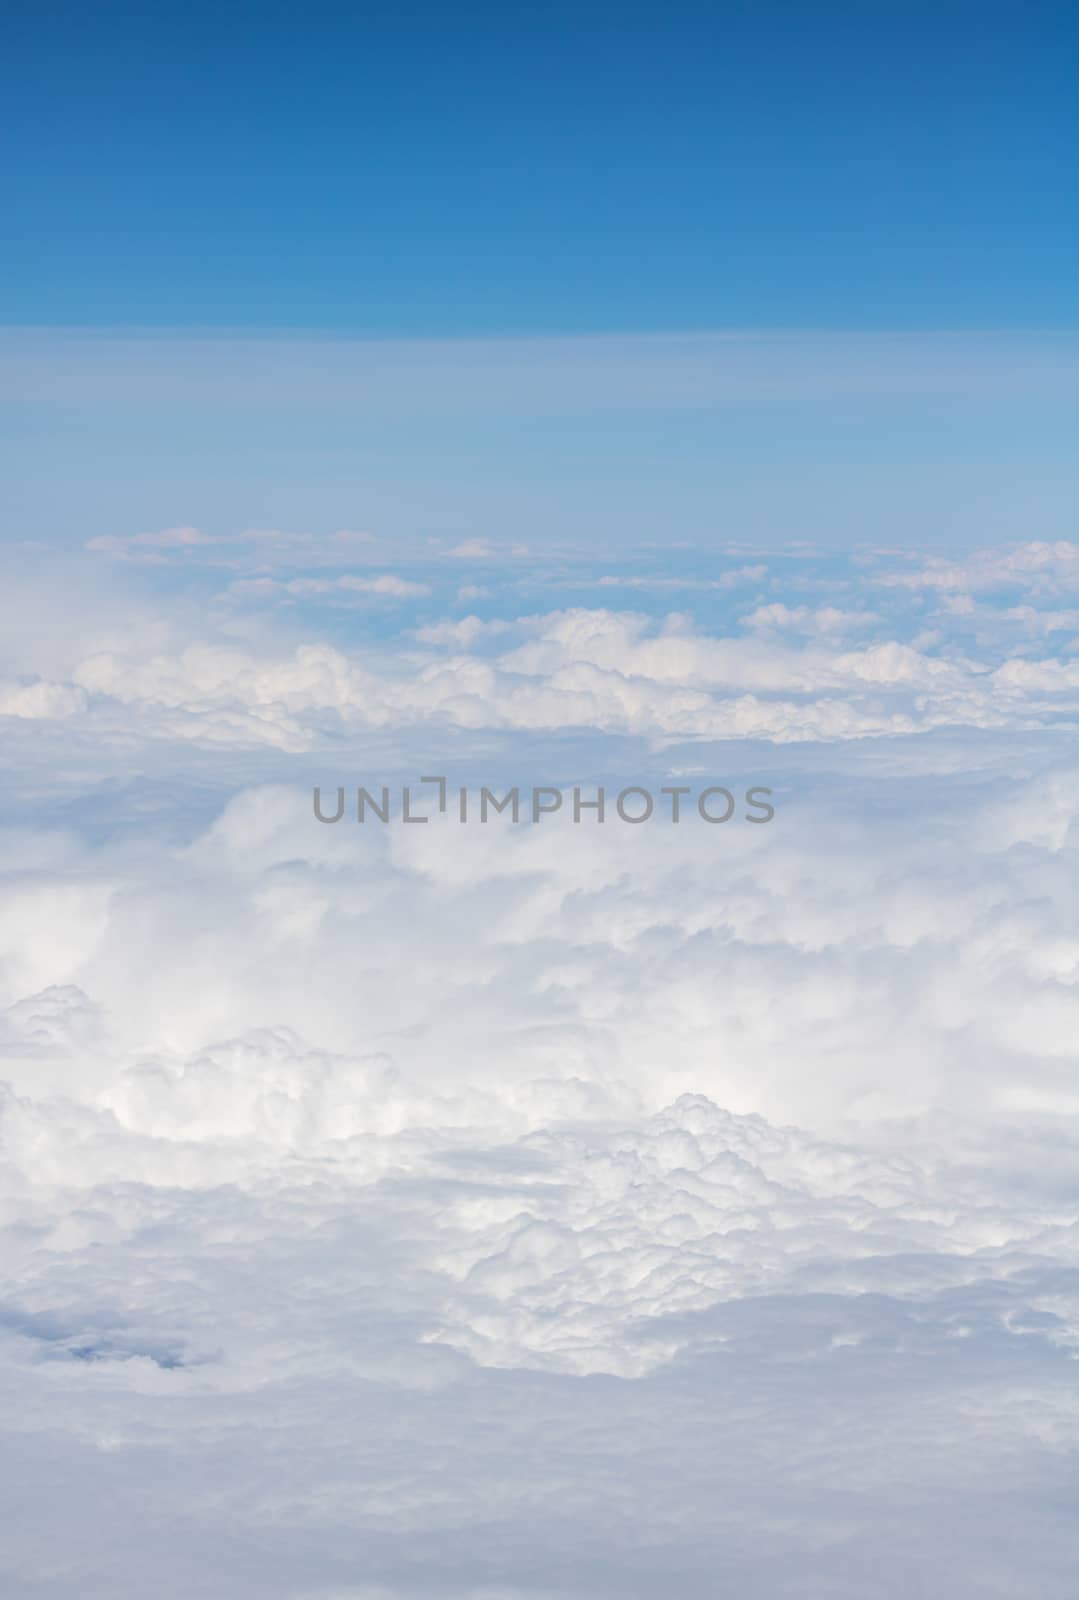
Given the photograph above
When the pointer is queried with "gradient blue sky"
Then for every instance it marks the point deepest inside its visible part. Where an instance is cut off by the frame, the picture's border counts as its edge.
(384, 253)
(423, 169)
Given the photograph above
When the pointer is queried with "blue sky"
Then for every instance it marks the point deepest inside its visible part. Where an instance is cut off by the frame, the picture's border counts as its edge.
(433, 170)
(620, 443)
(361, 267)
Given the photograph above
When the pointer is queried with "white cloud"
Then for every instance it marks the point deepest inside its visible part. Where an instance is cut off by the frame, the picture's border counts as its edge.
(540, 1211)
(37, 700)
(385, 584)
(731, 579)
(136, 546)
(824, 621)
(614, 672)
(1044, 567)
(464, 632)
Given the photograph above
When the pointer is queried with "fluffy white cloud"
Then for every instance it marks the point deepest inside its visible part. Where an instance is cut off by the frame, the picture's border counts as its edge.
(552, 1211)
(1039, 565)
(36, 699)
(613, 672)
(826, 620)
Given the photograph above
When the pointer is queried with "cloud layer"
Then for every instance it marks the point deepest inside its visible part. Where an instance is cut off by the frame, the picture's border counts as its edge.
(556, 1211)
(766, 669)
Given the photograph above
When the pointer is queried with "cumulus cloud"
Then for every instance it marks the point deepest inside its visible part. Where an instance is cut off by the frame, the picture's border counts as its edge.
(1041, 566)
(464, 632)
(613, 672)
(825, 620)
(38, 700)
(550, 1211)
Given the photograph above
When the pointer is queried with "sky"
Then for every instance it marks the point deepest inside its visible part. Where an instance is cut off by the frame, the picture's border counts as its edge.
(599, 441)
(429, 170)
(768, 272)
(555, 403)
